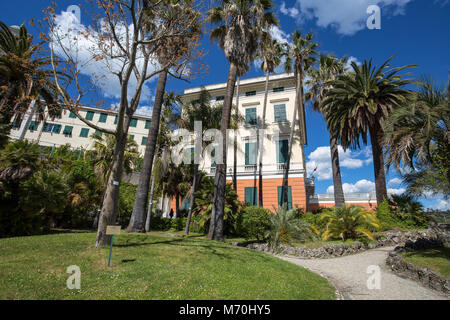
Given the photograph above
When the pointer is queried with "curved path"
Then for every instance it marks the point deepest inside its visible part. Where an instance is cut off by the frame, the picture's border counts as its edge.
(349, 276)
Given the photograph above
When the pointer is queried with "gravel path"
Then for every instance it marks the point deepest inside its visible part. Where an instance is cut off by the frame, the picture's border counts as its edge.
(349, 275)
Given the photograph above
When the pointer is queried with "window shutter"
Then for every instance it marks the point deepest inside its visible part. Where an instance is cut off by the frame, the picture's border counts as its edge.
(57, 128)
(280, 195)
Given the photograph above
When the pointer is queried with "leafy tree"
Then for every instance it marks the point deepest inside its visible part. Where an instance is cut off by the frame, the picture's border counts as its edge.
(254, 222)
(359, 103)
(349, 223)
(238, 25)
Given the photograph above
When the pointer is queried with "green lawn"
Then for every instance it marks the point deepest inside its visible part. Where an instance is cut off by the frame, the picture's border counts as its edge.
(436, 259)
(151, 266)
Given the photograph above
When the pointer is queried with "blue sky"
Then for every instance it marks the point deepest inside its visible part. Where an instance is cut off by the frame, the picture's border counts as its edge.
(416, 31)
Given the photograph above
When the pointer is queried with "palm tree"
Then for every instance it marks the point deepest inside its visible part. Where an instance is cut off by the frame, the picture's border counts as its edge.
(303, 53)
(319, 83)
(271, 52)
(239, 24)
(25, 78)
(359, 103)
(175, 47)
(417, 136)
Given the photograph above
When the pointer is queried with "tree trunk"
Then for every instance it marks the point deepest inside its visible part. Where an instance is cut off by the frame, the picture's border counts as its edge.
(108, 214)
(376, 136)
(177, 206)
(236, 112)
(137, 220)
(150, 201)
(191, 205)
(299, 103)
(217, 214)
(25, 124)
(339, 199)
(262, 127)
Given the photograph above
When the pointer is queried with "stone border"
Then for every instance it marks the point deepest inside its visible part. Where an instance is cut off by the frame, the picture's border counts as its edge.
(436, 234)
(425, 276)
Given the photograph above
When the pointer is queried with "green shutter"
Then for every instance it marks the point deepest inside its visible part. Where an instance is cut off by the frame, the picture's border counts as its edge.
(250, 116)
(33, 126)
(147, 124)
(99, 132)
(280, 194)
(103, 117)
(214, 157)
(72, 115)
(282, 150)
(144, 141)
(250, 153)
(131, 136)
(280, 112)
(68, 130)
(57, 128)
(251, 195)
(45, 127)
(115, 120)
(133, 122)
(84, 132)
(89, 115)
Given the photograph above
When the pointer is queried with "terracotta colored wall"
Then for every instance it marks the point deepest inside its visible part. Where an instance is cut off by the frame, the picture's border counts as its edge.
(316, 206)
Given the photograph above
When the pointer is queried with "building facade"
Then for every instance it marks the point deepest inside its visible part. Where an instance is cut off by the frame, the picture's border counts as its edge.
(69, 129)
(278, 120)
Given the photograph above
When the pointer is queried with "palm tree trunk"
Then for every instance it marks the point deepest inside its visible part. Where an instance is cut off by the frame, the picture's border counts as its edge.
(376, 137)
(220, 180)
(235, 142)
(26, 123)
(150, 200)
(261, 136)
(339, 199)
(177, 205)
(191, 204)
(137, 220)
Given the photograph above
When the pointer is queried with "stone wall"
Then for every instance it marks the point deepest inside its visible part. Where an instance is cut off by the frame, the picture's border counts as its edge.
(388, 239)
(426, 277)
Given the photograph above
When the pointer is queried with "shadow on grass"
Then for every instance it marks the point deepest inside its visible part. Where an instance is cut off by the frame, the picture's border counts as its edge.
(62, 231)
(437, 252)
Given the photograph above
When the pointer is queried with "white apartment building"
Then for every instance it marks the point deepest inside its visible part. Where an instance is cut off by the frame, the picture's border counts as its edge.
(69, 129)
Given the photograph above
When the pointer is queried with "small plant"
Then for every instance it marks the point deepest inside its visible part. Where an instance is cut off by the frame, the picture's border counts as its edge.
(286, 227)
(349, 223)
(254, 222)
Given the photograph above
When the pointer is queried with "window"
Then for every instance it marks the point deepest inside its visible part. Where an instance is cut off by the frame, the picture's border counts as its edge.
(250, 153)
(84, 132)
(213, 157)
(133, 122)
(68, 131)
(99, 132)
(250, 116)
(220, 98)
(251, 196)
(33, 126)
(278, 89)
(103, 117)
(16, 123)
(279, 111)
(131, 136)
(280, 195)
(144, 141)
(147, 124)
(72, 115)
(282, 150)
(51, 127)
(115, 120)
(89, 115)
(185, 204)
(250, 93)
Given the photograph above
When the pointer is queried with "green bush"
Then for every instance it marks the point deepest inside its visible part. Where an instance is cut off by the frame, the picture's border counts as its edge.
(254, 222)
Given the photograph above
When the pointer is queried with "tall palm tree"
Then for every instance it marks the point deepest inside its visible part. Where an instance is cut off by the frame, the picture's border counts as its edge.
(25, 77)
(271, 52)
(358, 104)
(417, 138)
(239, 24)
(302, 53)
(319, 83)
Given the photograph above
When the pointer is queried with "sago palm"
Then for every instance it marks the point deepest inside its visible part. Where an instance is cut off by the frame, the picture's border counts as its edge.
(238, 26)
(319, 83)
(359, 103)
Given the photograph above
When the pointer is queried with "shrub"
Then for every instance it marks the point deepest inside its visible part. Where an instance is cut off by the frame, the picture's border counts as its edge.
(349, 223)
(286, 227)
(254, 222)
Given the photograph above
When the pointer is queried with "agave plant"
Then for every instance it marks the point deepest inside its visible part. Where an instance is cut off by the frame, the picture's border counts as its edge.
(349, 223)
(287, 227)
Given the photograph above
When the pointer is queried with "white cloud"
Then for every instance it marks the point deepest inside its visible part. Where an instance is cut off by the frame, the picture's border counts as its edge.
(83, 47)
(441, 204)
(348, 65)
(395, 182)
(396, 191)
(145, 110)
(345, 16)
(321, 159)
(363, 186)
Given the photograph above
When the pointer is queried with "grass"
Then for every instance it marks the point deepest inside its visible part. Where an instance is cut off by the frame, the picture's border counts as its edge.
(436, 259)
(149, 266)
